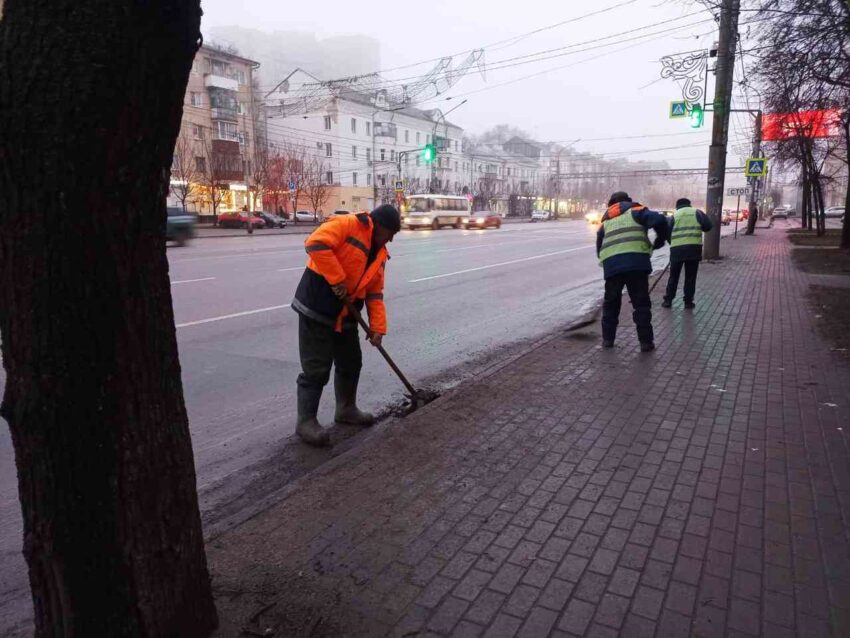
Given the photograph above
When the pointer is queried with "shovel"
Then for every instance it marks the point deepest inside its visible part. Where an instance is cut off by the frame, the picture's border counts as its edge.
(418, 398)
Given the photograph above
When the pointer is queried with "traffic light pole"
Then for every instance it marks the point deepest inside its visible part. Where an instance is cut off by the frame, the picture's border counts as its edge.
(729, 12)
(751, 221)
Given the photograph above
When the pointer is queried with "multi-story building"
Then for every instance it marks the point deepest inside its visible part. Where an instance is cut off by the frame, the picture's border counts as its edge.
(215, 151)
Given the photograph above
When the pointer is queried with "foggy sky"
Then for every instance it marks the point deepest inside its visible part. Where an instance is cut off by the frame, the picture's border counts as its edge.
(618, 94)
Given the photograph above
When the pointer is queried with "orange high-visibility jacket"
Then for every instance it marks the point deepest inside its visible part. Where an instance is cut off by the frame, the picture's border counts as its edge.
(338, 252)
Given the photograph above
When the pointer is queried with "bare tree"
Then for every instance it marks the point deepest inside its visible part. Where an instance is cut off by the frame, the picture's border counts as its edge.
(258, 176)
(184, 170)
(93, 397)
(318, 186)
(213, 168)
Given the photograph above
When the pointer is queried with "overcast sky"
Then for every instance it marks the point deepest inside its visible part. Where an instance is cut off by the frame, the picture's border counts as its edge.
(618, 94)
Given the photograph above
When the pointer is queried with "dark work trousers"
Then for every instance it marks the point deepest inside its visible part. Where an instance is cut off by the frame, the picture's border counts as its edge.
(637, 283)
(321, 347)
(691, 269)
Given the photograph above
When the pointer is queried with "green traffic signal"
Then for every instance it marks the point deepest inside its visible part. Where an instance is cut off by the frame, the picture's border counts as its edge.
(696, 116)
(429, 153)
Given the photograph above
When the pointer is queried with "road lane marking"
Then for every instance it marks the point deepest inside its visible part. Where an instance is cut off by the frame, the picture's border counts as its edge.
(501, 263)
(288, 269)
(191, 281)
(251, 254)
(233, 316)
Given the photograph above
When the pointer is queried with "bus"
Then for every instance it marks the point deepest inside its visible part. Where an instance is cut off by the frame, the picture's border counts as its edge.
(434, 211)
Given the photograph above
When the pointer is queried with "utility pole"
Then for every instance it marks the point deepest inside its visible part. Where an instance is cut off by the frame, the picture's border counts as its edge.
(724, 73)
(751, 221)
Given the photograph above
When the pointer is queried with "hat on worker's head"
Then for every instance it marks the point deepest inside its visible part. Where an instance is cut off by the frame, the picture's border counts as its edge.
(683, 202)
(619, 196)
(387, 216)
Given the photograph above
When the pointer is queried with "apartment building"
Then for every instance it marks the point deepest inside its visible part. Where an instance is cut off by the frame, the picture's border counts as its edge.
(215, 151)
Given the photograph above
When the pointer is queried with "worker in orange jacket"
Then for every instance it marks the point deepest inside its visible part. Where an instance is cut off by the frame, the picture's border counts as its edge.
(347, 260)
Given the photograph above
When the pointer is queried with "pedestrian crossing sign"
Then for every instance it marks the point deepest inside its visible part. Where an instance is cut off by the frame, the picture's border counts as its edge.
(756, 167)
(678, 109)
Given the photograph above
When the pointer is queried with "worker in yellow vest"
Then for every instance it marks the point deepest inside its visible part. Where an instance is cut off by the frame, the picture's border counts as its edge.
(624, 249)
(688, 226)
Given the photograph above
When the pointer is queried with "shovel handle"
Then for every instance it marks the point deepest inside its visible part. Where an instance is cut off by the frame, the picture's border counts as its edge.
(356, 314)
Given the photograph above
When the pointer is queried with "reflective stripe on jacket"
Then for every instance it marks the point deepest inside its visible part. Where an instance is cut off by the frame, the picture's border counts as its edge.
(623, 235)
(338, 252)
(687, 231)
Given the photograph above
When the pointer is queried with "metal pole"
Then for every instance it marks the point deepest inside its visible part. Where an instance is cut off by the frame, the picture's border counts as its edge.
(751, 221)
(737, 214)
(720, 125)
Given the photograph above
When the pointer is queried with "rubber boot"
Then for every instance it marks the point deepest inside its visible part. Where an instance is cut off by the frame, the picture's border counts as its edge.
(347, 412)
(308, 427)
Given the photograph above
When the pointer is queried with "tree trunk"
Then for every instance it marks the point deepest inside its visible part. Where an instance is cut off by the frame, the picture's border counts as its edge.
(845, 226)
(806, 213)
(92, 93)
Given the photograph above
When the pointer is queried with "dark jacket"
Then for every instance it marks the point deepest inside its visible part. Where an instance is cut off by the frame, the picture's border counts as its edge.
(633, 262)
(689, 253)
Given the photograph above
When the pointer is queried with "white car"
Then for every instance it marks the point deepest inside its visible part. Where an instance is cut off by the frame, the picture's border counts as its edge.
(305, 216)
(834, 212)
(780, 212)
(540, 215)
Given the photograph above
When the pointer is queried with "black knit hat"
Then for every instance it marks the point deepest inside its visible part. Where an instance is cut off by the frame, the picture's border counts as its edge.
(684, 202)
(619, 196)
(387, 216)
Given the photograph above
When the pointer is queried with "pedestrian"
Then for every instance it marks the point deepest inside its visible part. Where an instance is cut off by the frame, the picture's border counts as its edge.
(624, 249)
(347, 258)
(688, 225)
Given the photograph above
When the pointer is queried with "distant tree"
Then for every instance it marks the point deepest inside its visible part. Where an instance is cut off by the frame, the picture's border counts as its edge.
(184, 170)
(317, 187)
(91, 93)
(213, 167)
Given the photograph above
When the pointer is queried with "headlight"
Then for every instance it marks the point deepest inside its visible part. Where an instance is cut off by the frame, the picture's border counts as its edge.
(480, 220)
(407, 220)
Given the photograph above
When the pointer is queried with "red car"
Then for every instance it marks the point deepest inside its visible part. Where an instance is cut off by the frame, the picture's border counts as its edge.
(484, 219)
(240, 220)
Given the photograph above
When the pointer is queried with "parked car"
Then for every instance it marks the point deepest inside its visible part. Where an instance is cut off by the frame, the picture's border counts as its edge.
(484, 219)
(726, 217)
(780, 213)
(179, 226)
(240, 219)
(272, 221)
(593, 217)
(834, 212)
(539, 215)
(306, 216)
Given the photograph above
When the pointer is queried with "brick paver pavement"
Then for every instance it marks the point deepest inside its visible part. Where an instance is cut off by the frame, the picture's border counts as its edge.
(700, 490)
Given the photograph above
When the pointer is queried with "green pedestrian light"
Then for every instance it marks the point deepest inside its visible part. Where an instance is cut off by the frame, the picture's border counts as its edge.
(696, 116)
(429, 153)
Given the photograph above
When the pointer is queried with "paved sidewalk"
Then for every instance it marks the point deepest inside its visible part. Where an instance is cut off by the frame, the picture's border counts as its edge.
(700, 490)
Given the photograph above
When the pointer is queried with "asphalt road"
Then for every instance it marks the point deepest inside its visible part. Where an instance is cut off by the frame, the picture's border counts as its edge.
(457, 300)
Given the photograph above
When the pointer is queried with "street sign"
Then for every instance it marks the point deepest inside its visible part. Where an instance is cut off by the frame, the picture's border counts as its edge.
(292, 186)
(738, 191)
(399, 186)
(678, 109)
(756, 167)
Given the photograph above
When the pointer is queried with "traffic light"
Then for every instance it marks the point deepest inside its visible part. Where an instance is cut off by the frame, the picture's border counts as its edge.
(696, 116)
(429, 153)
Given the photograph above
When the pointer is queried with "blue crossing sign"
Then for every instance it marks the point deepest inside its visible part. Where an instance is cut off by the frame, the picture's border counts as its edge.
(291, 185)
(756, 167)
(678, 109)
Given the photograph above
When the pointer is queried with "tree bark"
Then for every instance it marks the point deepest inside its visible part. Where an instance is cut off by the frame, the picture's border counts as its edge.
(92, 94)
(845, 226)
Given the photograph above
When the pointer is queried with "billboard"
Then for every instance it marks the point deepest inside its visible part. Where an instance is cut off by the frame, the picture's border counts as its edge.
(812, 124)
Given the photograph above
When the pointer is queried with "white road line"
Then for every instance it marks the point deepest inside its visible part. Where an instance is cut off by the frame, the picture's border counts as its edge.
(191, 281)
(288, 269)
(251, 254)
(233, 316)
(502, 263)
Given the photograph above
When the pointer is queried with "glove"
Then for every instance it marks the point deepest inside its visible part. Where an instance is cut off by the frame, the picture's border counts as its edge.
(340, 291)
(658, 243)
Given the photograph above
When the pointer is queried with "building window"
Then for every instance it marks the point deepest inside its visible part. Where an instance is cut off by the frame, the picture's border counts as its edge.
(243, 138)
(455, 166)
(329, 177)
(455, 146)
(353, 124)
(427, 138)
(384, 179)
(383, 154)
(225, 131)
(406, 136)
(368, 129)
(368, 154)
(197, 131)
(417, 160)
(195, 98)
(328, 150)
(327, 122)
(406, 157)
(368, 179)
(201, 164)
(354, 179)
(417, 138)
(240, 77)
(353, 152)
(392, 156)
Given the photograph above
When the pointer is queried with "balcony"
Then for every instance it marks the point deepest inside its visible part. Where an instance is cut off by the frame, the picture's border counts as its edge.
(212, 81)
(224, 113)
